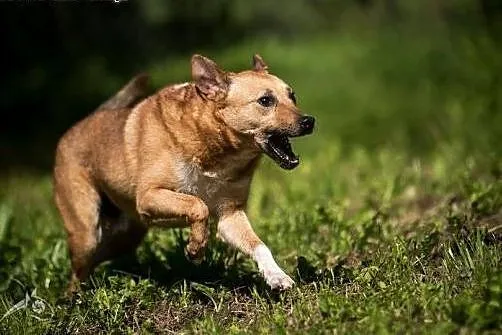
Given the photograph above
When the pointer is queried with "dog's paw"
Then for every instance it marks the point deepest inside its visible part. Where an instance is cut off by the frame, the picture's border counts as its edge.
(278, 280)
(196, 257)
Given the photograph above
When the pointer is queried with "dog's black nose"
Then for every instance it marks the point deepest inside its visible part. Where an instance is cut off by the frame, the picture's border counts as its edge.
(307, 124)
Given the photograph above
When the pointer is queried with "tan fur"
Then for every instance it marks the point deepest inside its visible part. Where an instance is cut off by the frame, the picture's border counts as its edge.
(173, 159)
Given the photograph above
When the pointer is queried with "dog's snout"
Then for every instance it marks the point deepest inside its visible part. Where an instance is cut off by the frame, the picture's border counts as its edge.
(307, 124)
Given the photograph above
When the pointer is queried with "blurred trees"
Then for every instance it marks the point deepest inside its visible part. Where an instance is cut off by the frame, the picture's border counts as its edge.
(61, 59)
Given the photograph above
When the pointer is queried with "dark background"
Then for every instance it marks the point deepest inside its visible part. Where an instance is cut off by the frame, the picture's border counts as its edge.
(62, 59)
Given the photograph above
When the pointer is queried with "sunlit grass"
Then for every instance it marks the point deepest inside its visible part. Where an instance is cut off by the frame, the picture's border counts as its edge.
(391, 223)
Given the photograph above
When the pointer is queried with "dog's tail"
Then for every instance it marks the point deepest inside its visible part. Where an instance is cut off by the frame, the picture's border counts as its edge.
(129, 95)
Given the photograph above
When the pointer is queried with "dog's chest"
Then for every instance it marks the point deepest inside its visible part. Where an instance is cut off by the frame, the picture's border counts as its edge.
(210, 186)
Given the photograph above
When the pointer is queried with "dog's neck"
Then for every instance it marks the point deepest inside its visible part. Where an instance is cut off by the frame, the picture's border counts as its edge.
(224, 148)
(213, 145)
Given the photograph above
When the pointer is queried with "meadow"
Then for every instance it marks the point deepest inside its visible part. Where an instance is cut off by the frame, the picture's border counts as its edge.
(391, 224)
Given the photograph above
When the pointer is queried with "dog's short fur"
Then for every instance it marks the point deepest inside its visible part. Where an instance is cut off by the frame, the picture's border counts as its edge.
(172, 160)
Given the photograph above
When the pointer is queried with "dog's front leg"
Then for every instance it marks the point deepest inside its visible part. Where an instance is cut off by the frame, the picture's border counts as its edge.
(235, 229)
(159, 205)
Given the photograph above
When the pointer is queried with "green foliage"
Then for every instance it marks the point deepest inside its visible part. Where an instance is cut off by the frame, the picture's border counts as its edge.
(391, 224)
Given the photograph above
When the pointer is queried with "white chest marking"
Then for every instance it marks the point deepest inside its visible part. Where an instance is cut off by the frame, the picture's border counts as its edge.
(208, 185)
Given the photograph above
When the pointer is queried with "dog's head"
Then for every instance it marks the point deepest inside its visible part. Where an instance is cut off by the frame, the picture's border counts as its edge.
(255, 103)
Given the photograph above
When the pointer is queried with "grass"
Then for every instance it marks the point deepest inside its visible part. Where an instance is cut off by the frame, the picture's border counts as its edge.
(392, 223)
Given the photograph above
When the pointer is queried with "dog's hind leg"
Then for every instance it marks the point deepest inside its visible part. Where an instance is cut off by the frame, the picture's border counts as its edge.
(117, 236)
(78, 203)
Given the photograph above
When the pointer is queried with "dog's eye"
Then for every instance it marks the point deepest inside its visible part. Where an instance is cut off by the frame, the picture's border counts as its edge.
(266, 101)
(292, 96)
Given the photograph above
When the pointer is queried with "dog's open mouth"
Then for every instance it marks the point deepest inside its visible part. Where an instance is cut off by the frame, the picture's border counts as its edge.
(277, 146)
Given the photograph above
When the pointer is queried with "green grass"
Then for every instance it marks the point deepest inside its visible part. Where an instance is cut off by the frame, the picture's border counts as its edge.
(391, 224)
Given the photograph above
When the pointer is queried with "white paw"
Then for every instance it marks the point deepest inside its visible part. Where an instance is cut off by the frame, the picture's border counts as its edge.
(273, 274)
(278, 280)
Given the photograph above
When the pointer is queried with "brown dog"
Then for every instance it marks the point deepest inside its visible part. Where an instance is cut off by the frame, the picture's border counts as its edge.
(172, 160)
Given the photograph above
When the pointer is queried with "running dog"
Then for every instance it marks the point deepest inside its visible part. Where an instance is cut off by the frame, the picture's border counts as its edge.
(174, 159)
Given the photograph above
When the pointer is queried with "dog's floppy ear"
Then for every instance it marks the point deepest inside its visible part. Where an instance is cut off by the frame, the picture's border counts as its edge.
(259, 64)
(209, 79)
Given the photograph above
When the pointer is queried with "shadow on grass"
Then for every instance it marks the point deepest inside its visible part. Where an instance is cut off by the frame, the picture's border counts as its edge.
(221, 267)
